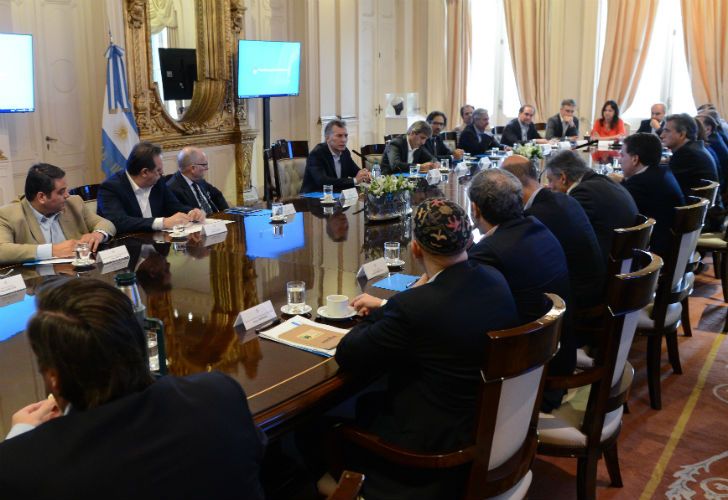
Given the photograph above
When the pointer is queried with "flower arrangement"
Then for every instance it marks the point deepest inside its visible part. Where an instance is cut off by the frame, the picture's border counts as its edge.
(530, 151)
(388, 184)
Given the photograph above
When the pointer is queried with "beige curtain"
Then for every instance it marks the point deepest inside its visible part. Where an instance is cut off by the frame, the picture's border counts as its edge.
(162, 14)
(528, 37)
(629, 28)
(458, 55)
(706, 50)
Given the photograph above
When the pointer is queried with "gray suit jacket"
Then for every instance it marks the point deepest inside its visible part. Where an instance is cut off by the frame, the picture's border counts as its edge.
(20, 233)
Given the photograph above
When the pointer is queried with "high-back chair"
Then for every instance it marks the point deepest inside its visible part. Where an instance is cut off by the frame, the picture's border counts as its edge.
(89, 194)
(588, 422)
(662, 317)
(504, 438)
(270, 186)
(625, 241)
(289, 166)
(372, 153)
(714, 242)
(450, 139)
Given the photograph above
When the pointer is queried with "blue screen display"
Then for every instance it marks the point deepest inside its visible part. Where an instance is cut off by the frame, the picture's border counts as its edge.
(14, 317)
(267, 69)
(16, 73)
(261, 239)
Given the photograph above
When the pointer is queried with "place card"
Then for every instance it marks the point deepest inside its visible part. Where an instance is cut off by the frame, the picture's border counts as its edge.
(289, 209)
(434, 177)
(12, 284)
(12, 298)
(213, 228)
(112, 254)
(603, 145)
(115, 265)
(564, 145)
(374, 268)
(214, 239)
(350, 193)
(262, 313)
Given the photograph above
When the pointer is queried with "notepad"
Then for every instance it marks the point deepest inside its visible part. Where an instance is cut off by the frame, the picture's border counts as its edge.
(307, 335)
(397, 282)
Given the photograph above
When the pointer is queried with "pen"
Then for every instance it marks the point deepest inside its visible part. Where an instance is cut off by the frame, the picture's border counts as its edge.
(409, 285)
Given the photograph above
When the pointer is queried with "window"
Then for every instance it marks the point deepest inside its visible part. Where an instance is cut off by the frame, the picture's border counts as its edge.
(665, 77)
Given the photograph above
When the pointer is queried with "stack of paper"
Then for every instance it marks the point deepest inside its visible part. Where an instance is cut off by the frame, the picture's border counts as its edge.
(308, 335)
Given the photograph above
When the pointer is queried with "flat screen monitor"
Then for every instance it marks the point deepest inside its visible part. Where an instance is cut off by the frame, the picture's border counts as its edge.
(179, 72)
(16, 73)
(268, 69)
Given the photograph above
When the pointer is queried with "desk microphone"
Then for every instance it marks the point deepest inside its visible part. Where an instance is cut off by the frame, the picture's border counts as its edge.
(586, 144)
(364, 159)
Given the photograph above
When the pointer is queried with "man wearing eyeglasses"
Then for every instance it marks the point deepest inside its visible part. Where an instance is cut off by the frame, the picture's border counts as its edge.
(435, 144)
(189, 184)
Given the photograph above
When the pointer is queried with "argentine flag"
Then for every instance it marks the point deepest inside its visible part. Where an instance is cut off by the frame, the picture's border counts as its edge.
(119, 131)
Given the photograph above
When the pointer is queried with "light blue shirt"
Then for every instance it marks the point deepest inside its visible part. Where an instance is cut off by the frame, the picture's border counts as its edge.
(51, 228)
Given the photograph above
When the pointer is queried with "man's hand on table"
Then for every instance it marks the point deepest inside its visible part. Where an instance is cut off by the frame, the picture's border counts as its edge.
(365, 303)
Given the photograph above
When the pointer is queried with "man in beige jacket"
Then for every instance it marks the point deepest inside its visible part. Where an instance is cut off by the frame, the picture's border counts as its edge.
(46, 222)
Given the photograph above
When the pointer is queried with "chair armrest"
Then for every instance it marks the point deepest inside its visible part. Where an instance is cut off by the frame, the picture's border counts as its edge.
(402, 456)
(349, 485)
(582, 378)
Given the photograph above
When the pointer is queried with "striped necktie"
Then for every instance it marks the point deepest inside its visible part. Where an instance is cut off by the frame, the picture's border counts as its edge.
(204, 203)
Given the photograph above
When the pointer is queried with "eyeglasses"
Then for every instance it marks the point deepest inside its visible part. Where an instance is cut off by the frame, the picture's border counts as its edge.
(203, 165)
(441, 124)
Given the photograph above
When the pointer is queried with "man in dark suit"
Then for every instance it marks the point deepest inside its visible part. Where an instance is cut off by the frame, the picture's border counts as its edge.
(189, 185)
(433, 376)
(137, 199)
(406, 150)
(526, 252)
(521, 129)
(565, 218)
(109, 430)
(563, 124)
(653, 186)
(330, 163)
(690, 162)
(474, 139)
(654, 124)
(607, 204)
(435, 144)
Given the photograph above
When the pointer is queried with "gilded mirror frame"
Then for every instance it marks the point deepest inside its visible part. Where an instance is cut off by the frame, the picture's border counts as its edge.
(215, 116)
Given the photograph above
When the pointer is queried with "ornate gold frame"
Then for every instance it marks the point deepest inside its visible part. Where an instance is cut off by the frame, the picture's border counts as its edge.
(215, 116)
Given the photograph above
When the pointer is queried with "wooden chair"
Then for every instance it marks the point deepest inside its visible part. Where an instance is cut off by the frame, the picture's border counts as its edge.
(662, 317)
(289, 166)
(498, 131)
(505, 433)
(349, 486)
(89, 192)
(540, 127)
(450, 139)
(389, 137)
(270, 189)
(372, 153)
(587, 424)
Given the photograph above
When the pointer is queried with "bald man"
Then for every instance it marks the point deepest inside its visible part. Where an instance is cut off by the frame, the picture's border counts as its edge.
(189, 185)
(654, 124)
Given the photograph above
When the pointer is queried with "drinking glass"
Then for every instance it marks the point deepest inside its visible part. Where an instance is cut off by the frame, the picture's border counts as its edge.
(83, 252)
(445, 164)
(328, 192)
(391, 253)
(296, 293)
(376, 171)
(276, 211)
(414, 170)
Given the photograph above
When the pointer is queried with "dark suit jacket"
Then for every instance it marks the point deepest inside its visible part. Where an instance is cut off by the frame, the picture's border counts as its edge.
(437, 147)
(470, 141)
(565, 218)
(646, 128)
(394, 159)
(117, 203)
(320, 170)
(533, 263)
(720, 149)
(512, 133)
(607, 204)
(430, 341)
(656, 193)
(690, 164)
(190, 437)
(178, 185)
(555, 129)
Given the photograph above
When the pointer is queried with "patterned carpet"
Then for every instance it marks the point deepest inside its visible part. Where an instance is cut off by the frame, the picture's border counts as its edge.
(681, 451)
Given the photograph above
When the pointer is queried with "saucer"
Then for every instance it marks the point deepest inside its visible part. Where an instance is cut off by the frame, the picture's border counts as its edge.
(286, 309)
(321, 311)
(178, 236)
(396, 263)
(82, 263)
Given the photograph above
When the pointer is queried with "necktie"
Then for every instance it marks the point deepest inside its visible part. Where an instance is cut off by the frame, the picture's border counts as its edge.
(204, 203)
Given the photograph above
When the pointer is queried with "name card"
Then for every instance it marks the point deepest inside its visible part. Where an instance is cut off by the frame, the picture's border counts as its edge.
(350, 193)
(289, 209)
(262, 313)
(434, 177)
(12, 284)
(374, 268)
(603, 145)
(545, 149)
(12, 298)
(214, 239)
(213, 228)
(564, 145)
(250, 195)
(112, 254)
(115, 265)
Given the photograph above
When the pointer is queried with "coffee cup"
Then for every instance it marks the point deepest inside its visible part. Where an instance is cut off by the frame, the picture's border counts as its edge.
(337, 306)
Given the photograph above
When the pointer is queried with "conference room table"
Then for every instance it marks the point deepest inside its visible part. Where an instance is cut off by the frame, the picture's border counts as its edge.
(197, 288)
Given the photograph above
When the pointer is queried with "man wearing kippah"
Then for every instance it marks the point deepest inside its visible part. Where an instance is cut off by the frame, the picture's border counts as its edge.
(430, 341)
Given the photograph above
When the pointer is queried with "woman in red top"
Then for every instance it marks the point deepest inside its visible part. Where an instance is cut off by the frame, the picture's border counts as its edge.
(610, 126)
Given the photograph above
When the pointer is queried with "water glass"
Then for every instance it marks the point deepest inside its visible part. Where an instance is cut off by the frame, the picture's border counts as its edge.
(494, 152)
(376, 171)
(414, 170)
(276, 211)
(445, 164)
(83, 252)
(391, 253)
(328, 192)
(296, 294)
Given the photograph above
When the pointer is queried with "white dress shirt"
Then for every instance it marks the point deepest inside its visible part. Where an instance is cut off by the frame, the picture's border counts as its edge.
(142, 197)
(50, 226)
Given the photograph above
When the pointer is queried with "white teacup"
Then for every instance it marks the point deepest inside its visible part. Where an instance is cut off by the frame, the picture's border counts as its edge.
(337, 306)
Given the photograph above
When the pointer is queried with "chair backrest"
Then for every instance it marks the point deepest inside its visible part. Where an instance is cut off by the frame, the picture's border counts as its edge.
(540, 126)
(88, 192)
(269, 178)
(289, 166)
(507, 418)
(349, 486)
(708, 190)
(372, 153)
(498, 131)
(625, 241)
(389, 137)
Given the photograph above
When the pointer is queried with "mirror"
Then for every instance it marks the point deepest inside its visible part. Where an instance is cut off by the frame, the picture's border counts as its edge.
(173, 25)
